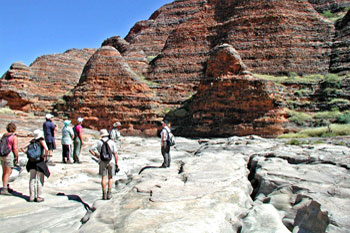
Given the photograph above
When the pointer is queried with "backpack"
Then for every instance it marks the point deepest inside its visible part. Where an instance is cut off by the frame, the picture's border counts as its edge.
(171, 138)
(106, 152)
(34, 151)
(75, 132)
(4, 146)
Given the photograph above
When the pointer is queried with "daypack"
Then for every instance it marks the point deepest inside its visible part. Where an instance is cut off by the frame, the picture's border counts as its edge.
(4, 146)
(34, 151)
(106, 152)
(171, 138)
(75, 132)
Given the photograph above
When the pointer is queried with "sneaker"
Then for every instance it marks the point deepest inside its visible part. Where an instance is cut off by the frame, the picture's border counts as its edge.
(109, 195)
(31, 199)
(39, 199)
(4, 191)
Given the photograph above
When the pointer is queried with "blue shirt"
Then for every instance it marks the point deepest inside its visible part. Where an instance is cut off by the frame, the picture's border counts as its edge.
(49, 131)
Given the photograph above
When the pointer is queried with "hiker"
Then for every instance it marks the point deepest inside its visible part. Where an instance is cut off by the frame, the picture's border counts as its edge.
(8, 159)
(78, 140)
(114, 134)
(108, 162)
(164, 144)
(49, 128)
(67, 142)
(36, 166)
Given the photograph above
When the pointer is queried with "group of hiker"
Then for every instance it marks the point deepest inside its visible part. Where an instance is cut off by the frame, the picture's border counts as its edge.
(40, 149)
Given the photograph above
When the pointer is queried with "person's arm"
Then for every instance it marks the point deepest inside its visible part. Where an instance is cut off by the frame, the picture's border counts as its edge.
(15, 148)
(162, 134)
(93, 150)
(46, 151)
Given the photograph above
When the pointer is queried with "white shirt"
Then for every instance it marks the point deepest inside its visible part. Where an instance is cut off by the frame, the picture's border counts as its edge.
(98, 145)
(165, 133)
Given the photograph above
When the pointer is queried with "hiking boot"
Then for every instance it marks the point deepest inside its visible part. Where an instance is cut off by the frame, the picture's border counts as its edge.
(39, 199)
(109, 195)
(4, 191)
(104, 196)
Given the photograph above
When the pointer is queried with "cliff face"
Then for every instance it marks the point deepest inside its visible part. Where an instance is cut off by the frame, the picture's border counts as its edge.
(166, 64)
(37, 87)
(229, 101)
(330, 5)
(110, 91)
(340, 59)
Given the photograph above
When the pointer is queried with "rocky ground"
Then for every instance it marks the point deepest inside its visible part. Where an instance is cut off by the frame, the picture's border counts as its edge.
(236, 184)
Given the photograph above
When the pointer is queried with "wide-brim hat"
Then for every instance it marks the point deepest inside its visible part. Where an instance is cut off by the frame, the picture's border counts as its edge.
(104, 133)
(67, 122)
(48, 116)
(116, 124)
(38, 134)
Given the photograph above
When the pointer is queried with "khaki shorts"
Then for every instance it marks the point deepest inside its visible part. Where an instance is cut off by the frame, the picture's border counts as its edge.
(107, 168)
(8, 161)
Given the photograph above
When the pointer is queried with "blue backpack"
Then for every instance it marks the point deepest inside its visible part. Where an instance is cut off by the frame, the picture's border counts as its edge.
(34, 151)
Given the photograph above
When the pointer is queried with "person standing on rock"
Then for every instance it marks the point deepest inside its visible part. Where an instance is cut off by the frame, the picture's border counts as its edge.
(114, 134)
(164, 144)
(78, 140)
(66, 140)
(11, 159)
(49, 128)
(106, 151)
(36, 165)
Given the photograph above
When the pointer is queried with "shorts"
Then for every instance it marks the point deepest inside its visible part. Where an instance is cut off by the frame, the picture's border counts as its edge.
(8, 161)
(51, 145)
(107, 168)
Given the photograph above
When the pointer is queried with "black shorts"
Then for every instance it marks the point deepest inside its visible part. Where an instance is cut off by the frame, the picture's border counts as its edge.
(51, 145)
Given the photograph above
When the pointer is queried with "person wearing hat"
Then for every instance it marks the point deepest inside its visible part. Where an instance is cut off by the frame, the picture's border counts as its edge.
(114, 134)
(164, 144)
(49, 128)
(106, 168)
(78, 139)
(37, 168)
(66, 140)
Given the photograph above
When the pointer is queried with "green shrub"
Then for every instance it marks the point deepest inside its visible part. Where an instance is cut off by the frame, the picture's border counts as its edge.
(292, 75)
(294, 142)
(299, 118)
(6, 111)
(333, 80)
(328, 115)
(344, 118)
(328, 14)
(302, 92)
(338, 101)
(331, 91)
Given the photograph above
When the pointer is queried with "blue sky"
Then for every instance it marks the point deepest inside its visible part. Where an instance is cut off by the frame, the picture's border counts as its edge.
(31, 28)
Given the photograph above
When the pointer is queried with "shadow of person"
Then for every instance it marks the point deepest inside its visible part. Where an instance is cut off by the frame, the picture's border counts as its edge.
(18, 194)
(76, 198)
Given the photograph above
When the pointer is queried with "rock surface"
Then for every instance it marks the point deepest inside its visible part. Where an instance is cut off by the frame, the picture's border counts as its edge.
(31, 88)
(340, 61)
(108, 91)
(230, 101)
(236, 184)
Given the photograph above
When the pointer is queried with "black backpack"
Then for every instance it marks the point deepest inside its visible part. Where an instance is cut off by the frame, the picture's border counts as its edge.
(34, 151)
(4, 146)
(106, 152)
(75, 132)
